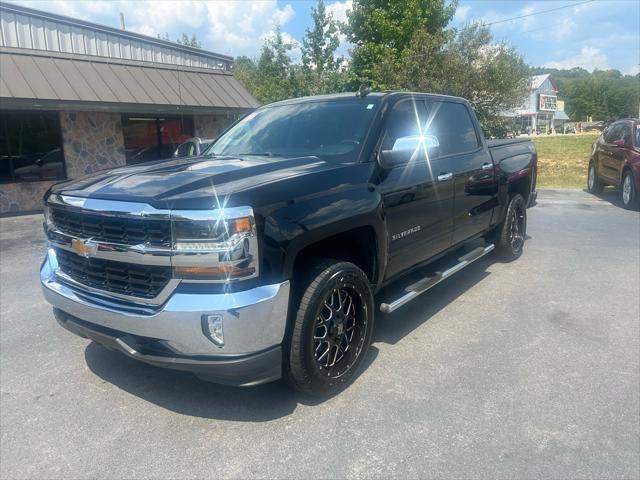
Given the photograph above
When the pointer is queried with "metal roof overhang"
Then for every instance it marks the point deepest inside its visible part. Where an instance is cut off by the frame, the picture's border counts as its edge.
(32, 79)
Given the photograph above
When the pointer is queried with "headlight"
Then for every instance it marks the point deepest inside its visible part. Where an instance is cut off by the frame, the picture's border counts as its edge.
(219, 246)
(48, 222)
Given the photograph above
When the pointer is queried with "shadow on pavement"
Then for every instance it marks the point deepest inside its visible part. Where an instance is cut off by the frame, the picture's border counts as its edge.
(393, 327)
(609, 194)
(186, 394)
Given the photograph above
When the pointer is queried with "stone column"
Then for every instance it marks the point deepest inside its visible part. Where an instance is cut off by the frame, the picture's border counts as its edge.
(91, 141)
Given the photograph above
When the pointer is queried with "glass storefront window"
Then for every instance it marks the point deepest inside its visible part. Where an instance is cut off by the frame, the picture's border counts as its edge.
(154, 138)
(30, 147)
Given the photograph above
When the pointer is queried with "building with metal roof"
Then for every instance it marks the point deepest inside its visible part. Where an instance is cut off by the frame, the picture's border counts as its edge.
(542, 111)
(76, 97)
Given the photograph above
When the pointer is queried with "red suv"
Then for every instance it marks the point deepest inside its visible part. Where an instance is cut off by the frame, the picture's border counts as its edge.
(615, 160)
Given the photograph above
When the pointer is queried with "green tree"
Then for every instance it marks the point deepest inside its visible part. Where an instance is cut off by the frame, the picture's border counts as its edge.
(382, 30)
(189, 42)
(273, 76)
(492, 76)
(321, 69)
(320, 43)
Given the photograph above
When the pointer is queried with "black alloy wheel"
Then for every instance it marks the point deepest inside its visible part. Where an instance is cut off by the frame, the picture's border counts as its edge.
(331, 327)
(512, 232)
(339, 336)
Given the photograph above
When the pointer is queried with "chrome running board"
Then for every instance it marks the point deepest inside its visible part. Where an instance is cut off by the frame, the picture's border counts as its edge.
(421, 286)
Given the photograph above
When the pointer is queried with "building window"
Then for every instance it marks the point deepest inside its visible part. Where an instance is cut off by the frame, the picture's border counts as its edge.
(154, 138)
(30, 147)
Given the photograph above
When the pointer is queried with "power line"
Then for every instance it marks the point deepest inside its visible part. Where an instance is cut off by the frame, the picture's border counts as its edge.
(539, 12)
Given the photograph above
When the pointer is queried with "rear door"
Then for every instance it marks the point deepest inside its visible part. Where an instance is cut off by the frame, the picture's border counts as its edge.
(463, 156)
(418, 206)
(619, 152)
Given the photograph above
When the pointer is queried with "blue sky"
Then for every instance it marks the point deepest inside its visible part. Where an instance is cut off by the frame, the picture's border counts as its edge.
(598, 34)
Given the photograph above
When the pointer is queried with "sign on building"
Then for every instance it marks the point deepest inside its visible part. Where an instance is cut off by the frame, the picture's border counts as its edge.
(547, 103)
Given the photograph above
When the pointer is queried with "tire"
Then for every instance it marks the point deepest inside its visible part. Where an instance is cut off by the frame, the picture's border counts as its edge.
(332, 328)
(594, 185)
(512, 232)
(629, 192)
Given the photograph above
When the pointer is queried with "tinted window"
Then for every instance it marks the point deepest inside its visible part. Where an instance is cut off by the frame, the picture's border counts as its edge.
(637, 135)
(613, 133)
(154, 138)
(30, 147)
(451, 123)
(407, 120)
(330, 130)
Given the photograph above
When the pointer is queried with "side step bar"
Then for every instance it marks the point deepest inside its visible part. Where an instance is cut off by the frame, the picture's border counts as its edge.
(421, 286)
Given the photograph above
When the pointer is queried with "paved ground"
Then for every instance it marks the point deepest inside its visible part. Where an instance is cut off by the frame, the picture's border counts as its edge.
(529, 369)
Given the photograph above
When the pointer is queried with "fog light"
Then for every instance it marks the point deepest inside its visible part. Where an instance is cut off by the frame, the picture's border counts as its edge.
(212, 328)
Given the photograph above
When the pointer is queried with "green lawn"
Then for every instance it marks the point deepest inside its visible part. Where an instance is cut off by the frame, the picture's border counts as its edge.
(563, 160)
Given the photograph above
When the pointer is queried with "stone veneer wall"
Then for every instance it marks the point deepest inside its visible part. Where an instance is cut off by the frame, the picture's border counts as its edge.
(210, 126)
(91, 141)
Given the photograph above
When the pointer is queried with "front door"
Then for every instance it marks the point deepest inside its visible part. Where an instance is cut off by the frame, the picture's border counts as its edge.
(418, 205)
(608, 165)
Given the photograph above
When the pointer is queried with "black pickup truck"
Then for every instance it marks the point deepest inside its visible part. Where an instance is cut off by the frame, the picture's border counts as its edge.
(267, 256)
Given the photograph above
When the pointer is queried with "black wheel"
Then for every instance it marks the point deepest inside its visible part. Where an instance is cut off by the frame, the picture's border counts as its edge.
(594, 185)
(629, 192)
(513, 230)
(331, 328)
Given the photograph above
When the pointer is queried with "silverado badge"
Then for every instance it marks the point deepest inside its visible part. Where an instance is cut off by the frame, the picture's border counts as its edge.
(85, 248)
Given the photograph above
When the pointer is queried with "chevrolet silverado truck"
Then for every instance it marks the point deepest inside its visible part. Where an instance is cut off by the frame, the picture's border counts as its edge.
(268, 256)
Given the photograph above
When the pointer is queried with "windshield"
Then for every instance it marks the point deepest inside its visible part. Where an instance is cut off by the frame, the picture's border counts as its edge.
(331, 130)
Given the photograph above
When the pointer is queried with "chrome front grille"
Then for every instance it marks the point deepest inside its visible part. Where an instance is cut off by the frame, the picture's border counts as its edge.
(135, 280)
(112, 229)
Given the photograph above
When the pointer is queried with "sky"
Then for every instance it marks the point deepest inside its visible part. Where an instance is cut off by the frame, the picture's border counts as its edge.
(597, 34)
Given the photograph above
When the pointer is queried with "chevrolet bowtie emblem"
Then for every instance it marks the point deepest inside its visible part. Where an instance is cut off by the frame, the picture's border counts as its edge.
(85, 248)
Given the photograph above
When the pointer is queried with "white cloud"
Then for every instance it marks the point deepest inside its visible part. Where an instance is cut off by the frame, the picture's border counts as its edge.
(461, 13)
(339, 10)
(239, 28)
(589, 58)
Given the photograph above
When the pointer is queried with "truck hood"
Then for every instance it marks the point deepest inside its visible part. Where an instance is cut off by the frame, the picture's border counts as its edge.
(180, 183)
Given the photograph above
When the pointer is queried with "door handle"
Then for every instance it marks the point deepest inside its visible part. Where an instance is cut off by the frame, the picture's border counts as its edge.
(487, 166)
(443, 177)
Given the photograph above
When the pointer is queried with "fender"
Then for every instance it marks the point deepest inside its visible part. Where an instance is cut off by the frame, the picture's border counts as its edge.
(316, 217)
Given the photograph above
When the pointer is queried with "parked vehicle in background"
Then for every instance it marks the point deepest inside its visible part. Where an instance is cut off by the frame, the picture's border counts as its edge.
(615, 161)
(260, 259)
(193, 147)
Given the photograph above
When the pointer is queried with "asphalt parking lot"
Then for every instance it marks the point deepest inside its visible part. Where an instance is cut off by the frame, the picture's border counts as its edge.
(528, 369)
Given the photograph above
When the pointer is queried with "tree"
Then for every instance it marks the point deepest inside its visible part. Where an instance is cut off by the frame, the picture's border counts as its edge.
(383, 29)
(189, 42)
(492, 76)
(320, 43)
(322, 70)
(272, 76)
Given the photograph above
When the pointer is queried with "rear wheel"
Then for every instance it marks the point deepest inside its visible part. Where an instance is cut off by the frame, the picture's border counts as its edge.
(629, 192)
(594, 185)
(331, 329)
(512, 232)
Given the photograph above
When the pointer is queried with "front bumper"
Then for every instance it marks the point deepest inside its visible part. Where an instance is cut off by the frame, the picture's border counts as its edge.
(171, 335)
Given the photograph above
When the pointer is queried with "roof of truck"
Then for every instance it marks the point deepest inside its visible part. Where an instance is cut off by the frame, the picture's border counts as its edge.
(346, 95)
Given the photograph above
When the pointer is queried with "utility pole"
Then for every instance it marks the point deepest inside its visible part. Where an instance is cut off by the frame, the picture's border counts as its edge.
(122, 21)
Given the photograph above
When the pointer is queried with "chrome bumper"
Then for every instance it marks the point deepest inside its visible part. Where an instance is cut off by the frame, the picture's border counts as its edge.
(254, 320)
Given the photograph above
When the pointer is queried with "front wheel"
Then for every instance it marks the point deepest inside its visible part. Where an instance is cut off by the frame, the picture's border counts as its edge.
(629, 192)
(331, 329)
(513, 230)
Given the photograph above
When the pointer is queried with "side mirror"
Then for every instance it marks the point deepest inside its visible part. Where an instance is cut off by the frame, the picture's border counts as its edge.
(619, 143)
(407, 149)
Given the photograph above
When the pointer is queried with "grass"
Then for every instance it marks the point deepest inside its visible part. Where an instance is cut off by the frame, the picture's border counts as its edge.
(563, 160)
